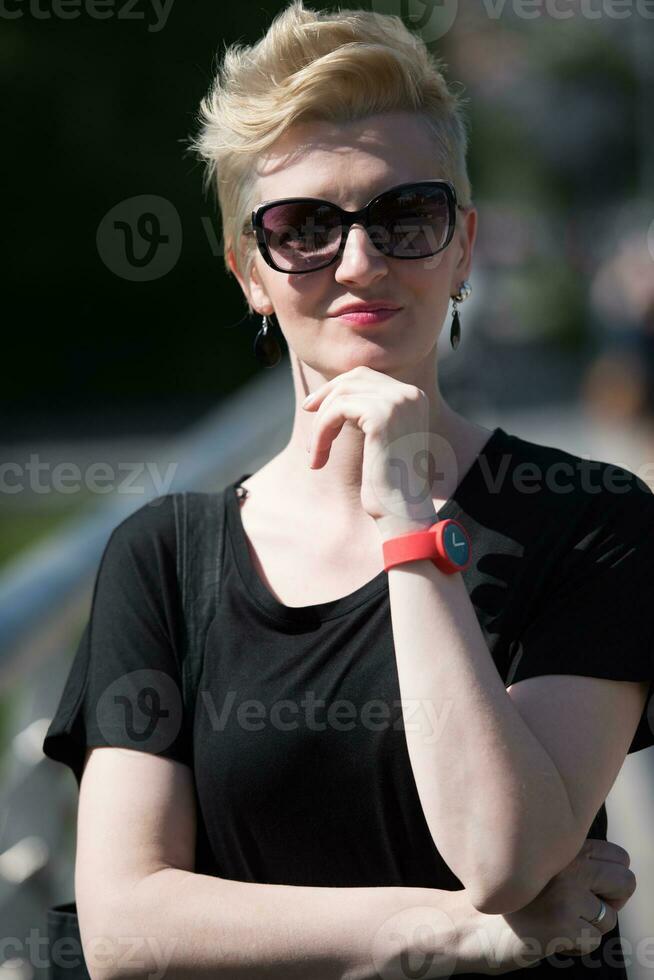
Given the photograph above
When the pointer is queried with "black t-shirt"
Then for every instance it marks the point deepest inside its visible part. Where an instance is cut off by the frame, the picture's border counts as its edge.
(298, 751)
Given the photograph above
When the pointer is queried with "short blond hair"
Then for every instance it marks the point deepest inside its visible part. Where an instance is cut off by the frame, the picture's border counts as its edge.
(318, 65)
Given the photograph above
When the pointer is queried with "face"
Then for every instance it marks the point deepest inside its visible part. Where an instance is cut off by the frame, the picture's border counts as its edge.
(348, 165)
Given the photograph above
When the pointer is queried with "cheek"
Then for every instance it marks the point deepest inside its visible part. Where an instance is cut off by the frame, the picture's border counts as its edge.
(436, 268)
(304, 295)
(426, 284)
(427, 280)
(300, 303)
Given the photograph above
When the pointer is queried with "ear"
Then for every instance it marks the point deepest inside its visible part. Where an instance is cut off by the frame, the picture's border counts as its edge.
(466, 236)
(252, 286)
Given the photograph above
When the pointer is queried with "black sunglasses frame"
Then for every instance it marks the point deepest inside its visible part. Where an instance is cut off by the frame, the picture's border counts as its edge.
(348, 218)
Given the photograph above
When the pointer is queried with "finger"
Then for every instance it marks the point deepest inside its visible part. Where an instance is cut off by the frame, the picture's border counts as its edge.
(612, 881)
(588, 935)
(329, 423)
(602, 850)
(592, 908)
(315, 398)
(358, 379)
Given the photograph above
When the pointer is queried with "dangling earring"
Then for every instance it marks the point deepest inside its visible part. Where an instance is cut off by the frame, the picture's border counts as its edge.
(266, 349)
(455, 331)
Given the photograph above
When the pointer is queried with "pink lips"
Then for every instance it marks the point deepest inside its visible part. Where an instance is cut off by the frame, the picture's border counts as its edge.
(367, 316)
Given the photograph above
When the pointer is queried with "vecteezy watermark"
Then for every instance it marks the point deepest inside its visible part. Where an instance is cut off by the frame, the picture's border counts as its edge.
(140, 239)
(144, 707)
(419, 941)
(408, 944)
(421, 465)
(315, 714)
(69, 478)
(425, 941)
(149, 955)
(565, 9)
(432, 19)
(93, 9)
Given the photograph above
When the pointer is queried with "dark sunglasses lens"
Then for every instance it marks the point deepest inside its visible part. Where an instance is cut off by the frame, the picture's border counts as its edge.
(411, 223)
(301, 236)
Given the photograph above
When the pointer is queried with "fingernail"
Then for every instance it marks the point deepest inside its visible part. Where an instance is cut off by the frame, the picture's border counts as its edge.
(307, 400)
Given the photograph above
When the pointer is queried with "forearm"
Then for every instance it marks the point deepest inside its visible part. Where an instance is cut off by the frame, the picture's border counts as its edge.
(493, 798)
(184, 925)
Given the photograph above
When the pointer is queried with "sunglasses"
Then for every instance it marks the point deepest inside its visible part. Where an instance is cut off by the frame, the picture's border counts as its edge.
(408, 221)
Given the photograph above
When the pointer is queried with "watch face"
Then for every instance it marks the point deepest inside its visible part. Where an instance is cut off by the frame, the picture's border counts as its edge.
(455, 544)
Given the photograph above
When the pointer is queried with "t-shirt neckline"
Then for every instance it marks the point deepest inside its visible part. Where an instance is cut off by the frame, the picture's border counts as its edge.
(319, 612)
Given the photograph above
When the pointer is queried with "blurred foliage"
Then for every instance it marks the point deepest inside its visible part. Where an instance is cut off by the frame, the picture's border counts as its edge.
(21, 528)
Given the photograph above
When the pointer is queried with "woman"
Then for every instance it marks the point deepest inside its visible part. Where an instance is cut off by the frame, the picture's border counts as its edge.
(405, 736)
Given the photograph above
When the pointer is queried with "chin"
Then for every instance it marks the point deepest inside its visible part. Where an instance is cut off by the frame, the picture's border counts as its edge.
(376, 356)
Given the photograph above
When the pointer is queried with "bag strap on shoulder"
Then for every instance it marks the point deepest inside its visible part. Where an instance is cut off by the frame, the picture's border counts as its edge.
(200, 532)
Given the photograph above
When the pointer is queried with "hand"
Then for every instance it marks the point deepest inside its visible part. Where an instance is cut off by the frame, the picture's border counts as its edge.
(394, 418)
(557, 920)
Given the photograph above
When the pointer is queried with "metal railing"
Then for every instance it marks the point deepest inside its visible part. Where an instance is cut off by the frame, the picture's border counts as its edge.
(45, 597)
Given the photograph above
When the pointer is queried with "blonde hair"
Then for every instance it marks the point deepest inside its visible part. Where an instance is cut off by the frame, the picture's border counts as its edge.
(317, 65)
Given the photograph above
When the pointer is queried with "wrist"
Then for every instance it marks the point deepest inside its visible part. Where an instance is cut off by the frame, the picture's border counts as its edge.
(474, 937)
(459, 936)
(488, 945)
(439, 930)
(478, 942)
(392, 526)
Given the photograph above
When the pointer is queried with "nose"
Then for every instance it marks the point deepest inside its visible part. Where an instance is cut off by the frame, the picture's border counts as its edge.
(360, 261)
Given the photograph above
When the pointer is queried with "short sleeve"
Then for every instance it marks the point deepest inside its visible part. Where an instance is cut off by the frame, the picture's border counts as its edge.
(124, 685)
(595, 616)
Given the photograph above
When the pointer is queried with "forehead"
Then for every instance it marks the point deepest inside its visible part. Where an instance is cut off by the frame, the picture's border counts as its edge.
(348, 163)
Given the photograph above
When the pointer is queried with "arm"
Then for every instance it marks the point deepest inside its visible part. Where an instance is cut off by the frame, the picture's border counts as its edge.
(255, 931)
(493, 795)
(200, 926)
(504, 793)
(534, 763)
(144, 911)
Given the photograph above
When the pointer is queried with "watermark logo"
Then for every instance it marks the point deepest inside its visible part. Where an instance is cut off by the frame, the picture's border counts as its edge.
(421, 465)
(145, 706)
(416, 942)
(140, 239)
(431, 19)
(412, 469)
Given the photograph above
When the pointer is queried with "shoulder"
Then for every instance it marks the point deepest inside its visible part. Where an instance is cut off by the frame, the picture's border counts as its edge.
(164, 528)
(582, 507)
(162, 515)
(151, 523)
(559, 476)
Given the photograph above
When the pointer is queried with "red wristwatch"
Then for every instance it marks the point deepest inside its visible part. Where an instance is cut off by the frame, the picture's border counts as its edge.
(446, 542)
